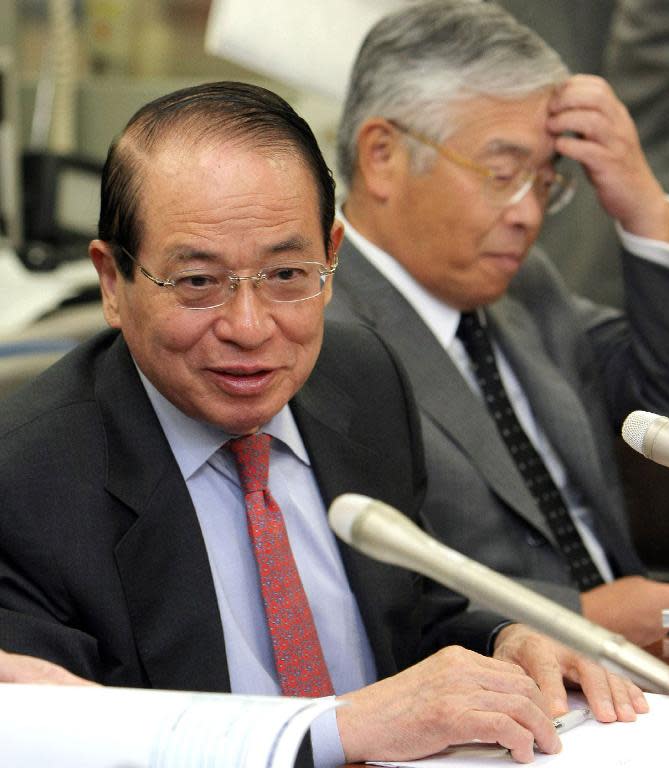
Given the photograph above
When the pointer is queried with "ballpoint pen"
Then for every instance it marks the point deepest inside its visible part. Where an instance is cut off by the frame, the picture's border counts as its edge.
(571, 719)
(562, 724)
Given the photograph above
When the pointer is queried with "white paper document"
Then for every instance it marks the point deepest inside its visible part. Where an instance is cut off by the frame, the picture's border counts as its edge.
(642, 744)
(308, 43)
(91, 727)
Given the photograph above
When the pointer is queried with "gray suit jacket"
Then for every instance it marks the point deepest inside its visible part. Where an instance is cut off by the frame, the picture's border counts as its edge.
(583, 369)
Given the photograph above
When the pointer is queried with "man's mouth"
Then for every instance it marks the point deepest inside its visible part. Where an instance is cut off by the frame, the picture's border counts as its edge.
(242, 380)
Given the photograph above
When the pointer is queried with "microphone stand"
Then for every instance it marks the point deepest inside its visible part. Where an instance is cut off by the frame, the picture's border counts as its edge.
(383, 533)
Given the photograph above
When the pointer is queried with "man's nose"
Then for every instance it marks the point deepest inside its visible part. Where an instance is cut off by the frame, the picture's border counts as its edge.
(246, 318)
(529, 211)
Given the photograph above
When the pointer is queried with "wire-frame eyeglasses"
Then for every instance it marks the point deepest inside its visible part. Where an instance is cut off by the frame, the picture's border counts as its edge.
(213, 286)
(554, 190)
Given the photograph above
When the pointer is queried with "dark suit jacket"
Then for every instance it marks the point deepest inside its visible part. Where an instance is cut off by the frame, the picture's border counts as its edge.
(582, 367)
(102, 563)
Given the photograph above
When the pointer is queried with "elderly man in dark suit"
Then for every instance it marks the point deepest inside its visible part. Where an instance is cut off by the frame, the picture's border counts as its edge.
(450, 140)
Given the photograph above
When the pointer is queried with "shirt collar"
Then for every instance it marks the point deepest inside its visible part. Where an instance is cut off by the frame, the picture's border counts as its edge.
(441, 318)
(193, 442)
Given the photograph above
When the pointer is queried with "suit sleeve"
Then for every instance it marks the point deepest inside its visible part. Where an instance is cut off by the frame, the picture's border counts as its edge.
(626, 352)
(46, 557)
(35, 618)
(631, 350)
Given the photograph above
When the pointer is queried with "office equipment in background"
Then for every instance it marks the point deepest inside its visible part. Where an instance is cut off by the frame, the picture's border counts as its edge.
(61, 189)
(59, 203)
(61, 207)
(26, 296)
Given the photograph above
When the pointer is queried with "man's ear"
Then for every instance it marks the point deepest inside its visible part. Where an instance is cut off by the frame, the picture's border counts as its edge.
(336, 236)
(382, 157)
(102, 256)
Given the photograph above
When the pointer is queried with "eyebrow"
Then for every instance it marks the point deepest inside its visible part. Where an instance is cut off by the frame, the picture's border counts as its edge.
(295, 243)
(183, 255)
(179, 255)
(503, 147)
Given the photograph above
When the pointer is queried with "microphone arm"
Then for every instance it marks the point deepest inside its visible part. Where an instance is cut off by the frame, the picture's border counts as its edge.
(380, 531)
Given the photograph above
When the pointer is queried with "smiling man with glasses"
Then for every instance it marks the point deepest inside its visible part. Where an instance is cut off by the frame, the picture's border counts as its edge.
(456, 127)
(164, 487)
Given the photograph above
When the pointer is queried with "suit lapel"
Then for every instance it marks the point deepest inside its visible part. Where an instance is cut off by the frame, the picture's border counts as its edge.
(452, 406)
(555, 404)
(162, 559)
(324, 414)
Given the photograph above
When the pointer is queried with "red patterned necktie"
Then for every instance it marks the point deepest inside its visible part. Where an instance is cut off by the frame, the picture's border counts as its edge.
(297, 649)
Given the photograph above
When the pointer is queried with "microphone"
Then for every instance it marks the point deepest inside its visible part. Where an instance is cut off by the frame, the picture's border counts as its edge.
(648, 434)
(380, 531)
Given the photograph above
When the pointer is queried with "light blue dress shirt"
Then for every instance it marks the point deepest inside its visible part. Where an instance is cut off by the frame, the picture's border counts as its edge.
(213, 484)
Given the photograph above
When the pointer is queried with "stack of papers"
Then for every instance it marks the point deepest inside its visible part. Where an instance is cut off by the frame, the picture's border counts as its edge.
(96, 727)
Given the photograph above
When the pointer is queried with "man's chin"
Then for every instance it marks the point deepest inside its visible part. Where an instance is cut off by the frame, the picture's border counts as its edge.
(240, 419)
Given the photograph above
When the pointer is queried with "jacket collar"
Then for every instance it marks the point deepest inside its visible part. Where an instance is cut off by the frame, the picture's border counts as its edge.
(162, 559)
(452, 406)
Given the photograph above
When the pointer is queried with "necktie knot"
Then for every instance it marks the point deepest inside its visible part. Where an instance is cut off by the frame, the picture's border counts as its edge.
(470, 328)
(251, 454)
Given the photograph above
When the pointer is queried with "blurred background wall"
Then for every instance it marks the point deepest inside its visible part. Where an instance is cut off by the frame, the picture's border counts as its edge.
(127, 51)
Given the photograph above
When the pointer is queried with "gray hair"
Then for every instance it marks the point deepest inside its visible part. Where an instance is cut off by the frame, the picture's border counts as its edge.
(416, 62)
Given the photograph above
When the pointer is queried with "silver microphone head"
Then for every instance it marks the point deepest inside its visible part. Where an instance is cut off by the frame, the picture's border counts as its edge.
(345, 511)
(635, 427)
(648, 433)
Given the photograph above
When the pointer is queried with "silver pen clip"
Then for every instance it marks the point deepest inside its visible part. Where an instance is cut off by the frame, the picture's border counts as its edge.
(571, 719)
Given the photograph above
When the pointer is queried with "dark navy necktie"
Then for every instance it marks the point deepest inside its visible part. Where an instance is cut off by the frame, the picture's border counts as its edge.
(529, 463)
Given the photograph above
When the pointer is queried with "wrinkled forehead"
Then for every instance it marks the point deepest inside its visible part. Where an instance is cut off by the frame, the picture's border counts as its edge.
(191, 177)
(227, 198)
(487, 125)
